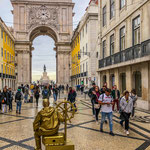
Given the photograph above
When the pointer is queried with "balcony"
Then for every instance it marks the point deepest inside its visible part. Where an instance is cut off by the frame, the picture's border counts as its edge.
(137, 51)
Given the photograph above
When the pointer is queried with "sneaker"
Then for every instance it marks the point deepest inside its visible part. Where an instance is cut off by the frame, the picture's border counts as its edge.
(101, 130)
(16, 112)
(111, 133)
(19, 112)
(127, 132)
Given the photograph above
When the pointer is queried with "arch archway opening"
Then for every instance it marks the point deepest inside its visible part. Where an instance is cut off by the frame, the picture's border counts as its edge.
(43, 54)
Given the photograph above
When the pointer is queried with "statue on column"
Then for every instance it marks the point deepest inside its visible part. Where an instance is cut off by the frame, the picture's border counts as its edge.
(44, 68)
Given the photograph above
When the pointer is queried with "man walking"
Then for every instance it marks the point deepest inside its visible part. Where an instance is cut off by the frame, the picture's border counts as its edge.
(10, 99)
(90, 93)
(18, 98)
(116, 96)
(106, 110)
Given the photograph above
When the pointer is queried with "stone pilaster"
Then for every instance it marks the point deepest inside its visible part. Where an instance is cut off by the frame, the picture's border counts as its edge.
(128, 78)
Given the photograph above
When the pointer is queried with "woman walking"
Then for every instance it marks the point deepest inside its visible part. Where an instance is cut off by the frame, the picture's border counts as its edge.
(5, 100)
(72, 97)
(134, 98)
(126, 106)
(37, 95)
(95, 97)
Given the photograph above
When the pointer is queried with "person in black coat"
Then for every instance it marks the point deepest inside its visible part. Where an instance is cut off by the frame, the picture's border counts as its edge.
(37, 95)
(10, 94)
(5, 100)
(72, 96)
(90, 94)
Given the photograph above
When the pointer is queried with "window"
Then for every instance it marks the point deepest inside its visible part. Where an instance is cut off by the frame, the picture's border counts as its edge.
(1, 52)
(5, 36)
(5, 54)
(122, 39)
(122, 3)
(83, 67)
(83, 32)
(104, 15)
(86, 48)
(86, 66)
(83, 51)
(104, 48)
(112, 9)
(136, 31)
(112, 44)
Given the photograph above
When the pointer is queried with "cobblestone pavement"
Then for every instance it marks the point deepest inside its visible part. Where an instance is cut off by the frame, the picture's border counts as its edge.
(16, 131)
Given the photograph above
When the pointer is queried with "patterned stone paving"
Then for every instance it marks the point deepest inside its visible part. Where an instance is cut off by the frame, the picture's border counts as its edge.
(16, 131)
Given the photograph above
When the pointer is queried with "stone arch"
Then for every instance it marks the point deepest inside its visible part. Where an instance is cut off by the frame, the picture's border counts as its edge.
(43, 30)
(47, 17)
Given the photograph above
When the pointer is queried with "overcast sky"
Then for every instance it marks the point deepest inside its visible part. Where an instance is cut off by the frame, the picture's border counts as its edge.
(43, 53)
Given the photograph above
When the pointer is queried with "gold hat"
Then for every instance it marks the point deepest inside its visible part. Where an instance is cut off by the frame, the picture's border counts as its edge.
(45, 102)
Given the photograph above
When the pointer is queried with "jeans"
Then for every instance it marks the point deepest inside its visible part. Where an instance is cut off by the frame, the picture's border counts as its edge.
(26, 98)
(133, 111)
(116, 101)
(55, 97)
(109, 116)
(18, 106)
(4, 108)
(126, 117)
(97, 113)
(37, 101)
(10, 105)
(93, 109)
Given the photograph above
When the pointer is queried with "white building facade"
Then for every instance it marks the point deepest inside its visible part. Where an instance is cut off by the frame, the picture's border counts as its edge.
(88, 30)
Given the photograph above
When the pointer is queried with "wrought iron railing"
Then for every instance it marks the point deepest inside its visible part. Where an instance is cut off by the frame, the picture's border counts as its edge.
(131, 53)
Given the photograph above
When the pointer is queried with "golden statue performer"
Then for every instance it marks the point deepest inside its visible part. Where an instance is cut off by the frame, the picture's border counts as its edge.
(46, 125)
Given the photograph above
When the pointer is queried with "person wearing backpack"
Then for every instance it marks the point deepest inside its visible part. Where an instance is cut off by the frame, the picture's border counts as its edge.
(18, 100)
(55, 93)
(5, 100)
(37, 95)
(10, 94)
(45, 93)
(126, 106)
(106, 102)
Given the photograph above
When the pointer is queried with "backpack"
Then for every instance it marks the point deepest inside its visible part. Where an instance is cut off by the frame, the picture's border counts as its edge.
(45, 93)
(18, 96)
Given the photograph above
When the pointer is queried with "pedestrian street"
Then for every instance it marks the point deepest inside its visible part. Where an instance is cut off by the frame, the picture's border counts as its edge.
(16, 131)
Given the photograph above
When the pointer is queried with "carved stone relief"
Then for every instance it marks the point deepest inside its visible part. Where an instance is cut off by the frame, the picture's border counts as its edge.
(43, 15)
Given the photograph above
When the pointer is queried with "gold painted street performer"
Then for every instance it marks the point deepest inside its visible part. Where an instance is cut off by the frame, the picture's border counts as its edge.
(46, 123)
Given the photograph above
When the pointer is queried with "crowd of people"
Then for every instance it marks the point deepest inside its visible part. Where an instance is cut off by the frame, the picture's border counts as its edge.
(105, 99)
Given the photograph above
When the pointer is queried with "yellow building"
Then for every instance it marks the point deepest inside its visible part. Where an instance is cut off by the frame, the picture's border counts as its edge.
(75, 58)
(7, 57)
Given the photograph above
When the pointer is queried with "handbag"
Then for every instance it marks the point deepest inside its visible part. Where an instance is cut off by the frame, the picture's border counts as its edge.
(96, 106)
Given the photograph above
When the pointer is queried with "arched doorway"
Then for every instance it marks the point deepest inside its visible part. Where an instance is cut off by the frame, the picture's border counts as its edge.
(123, 82)
(34, 18)
(43, 54)
(137, 82)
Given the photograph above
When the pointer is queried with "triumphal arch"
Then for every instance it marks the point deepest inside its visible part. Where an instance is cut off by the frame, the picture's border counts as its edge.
(33, 18)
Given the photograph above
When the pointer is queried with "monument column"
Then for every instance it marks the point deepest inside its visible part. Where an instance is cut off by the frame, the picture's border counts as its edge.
(23, 64)
(63, 60)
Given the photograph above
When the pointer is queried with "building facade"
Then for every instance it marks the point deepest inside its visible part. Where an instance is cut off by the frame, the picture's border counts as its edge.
(7, 57)
(75, 58)
(124, 34)
(88, 31)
